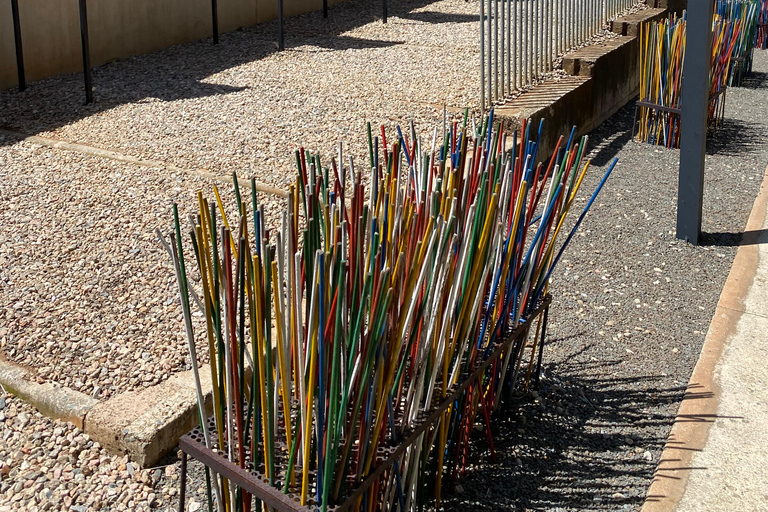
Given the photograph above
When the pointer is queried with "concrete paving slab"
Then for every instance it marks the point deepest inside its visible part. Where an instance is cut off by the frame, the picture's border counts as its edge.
(729, 472)
(147, 424)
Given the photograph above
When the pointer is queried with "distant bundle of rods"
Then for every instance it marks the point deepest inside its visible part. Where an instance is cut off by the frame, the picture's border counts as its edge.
(761, 38)
(662, 53)
(331, 335)
(742, 14)
(662, 57)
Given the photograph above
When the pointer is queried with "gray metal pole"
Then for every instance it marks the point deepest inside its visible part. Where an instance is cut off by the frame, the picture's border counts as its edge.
(693, 128)
(17, 41)
(482, 56)
(86, 52)
(215, 20)
(280, 32)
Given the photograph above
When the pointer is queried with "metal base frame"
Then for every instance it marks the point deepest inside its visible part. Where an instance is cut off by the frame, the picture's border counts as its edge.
(254, 481)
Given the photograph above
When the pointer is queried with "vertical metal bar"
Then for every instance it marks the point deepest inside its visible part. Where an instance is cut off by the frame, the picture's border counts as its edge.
(541, 347)
(280, 27)
(183, 490)
(516, 44)
(215, 20)
(17, 40)
(693, 129)
(489, 62)
(528, 60)
(325, 8)
(509, 47)
(384, 12)
(496, 49)
(537, 37)
(86, 52)
(482, 55)
(502, 48)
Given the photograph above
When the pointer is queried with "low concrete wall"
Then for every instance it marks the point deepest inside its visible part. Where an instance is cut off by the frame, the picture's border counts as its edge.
(604, 78)
(118, 29)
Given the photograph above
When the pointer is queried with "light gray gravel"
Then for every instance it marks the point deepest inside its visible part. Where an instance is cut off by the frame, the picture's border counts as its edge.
(241, 106)
(88, 296)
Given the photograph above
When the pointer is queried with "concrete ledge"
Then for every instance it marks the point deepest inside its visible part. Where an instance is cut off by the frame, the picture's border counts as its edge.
(630, 25)
(53, 401)
(582, 62)
(147, 424)
(560, 104)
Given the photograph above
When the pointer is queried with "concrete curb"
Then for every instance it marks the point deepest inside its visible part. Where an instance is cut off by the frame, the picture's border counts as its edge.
(699, 407)
(147, 424)
(114, 155)
(52, 400)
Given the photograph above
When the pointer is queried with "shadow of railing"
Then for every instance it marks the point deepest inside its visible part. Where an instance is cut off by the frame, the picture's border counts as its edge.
(735, 137)
(180, 72)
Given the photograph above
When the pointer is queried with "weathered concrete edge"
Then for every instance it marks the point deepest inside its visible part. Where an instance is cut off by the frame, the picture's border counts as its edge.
(114, 155)
(699, 407)
(51, 400)
(148, 431)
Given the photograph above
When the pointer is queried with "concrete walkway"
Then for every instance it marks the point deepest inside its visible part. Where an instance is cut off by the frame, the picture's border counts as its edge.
(716, 457)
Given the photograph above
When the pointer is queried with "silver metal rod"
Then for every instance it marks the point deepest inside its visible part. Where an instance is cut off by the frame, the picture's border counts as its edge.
(482, 57)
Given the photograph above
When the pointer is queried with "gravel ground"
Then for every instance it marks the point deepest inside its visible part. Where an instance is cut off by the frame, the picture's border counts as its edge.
(242, 106)
(51, 465)
(236, 107)
(88, 296)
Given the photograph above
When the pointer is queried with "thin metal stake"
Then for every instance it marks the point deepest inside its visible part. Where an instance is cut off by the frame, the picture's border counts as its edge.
(280, 33)
(86, 52)
(17, 39)
(215, 20)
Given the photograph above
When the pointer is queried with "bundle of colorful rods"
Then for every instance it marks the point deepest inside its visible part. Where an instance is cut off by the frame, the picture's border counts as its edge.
(662, 52)
(741, 13)
(662, 57)
(761, 38)
(725, 36)
(331, 336)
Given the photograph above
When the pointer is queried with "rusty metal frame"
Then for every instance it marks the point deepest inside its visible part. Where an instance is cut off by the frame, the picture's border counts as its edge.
(257, 484)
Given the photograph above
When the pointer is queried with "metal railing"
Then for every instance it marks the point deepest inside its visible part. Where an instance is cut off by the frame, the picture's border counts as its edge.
(520, 40)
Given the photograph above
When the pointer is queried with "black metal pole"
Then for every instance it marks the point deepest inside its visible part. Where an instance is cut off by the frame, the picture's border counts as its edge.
(215, 20)
(86, 52)
(693, 136)
(17, 39)
(280, 34)
(325, 8)
(384, 11)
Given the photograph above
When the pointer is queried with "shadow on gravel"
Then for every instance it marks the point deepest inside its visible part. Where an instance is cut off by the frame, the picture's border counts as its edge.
(756, 80)
(440, 17)
(755, 237)
(180, 72)
(571, 445)
(736, 137)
